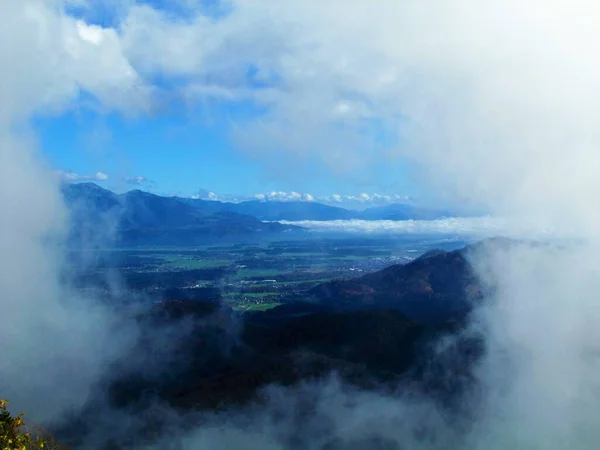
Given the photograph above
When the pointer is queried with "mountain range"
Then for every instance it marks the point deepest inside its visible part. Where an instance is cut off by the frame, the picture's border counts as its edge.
(297, 211)
(141, 218)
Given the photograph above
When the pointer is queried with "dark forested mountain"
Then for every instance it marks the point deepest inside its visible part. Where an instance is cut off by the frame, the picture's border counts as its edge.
(138, 217)
(434, 287)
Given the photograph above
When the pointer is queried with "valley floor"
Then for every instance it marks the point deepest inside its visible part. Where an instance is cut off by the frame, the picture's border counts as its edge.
(254, 275)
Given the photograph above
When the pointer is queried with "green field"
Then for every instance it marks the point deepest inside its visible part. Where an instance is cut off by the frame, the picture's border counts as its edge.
(255, 307)
(185, 262)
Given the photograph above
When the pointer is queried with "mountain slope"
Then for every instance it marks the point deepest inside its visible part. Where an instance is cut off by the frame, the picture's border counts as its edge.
(145, 210)
(138, 218)
(434, 287)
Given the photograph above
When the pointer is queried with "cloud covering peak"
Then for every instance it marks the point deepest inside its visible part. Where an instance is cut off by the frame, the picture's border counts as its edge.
(136, 180)
(359, 201)
(69, 176)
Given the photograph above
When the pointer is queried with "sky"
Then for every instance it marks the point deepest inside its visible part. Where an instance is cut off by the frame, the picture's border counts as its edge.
(183, 154)
(210, 131)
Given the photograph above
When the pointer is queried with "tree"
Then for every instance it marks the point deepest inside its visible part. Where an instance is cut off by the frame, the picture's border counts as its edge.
(14, 434)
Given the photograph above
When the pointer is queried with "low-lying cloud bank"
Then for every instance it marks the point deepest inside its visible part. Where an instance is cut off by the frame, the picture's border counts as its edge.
(473, 227)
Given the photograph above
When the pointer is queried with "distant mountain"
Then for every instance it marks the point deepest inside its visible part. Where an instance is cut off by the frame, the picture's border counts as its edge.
(139, 217)
(274, 211)
(402, 212)
(296, 211)
(145, 210)
(142, 218)
(91, 196)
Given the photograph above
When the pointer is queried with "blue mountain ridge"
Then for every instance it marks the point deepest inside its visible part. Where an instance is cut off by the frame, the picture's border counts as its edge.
(297, 211)
(142, 218)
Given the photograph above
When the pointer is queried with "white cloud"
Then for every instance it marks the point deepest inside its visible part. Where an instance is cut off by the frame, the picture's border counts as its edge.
(203, 194)
(351, 201)
(66, 57)
(281, 196)
(137, 180)
(364, 200)
(46, 64)
(69, 176)
(472, 227)
(360, 200)
(90, 33)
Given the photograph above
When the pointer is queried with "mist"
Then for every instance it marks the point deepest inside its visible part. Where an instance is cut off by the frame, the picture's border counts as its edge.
(55, 344)
(494, 103)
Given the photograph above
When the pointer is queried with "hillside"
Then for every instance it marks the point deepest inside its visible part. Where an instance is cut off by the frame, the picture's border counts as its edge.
(434, 287)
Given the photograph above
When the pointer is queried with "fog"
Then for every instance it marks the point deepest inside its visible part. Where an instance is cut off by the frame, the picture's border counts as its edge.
(55, 345)
(492, 103)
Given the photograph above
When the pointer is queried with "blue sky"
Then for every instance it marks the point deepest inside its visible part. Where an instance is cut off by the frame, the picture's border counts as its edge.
(181, 154)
